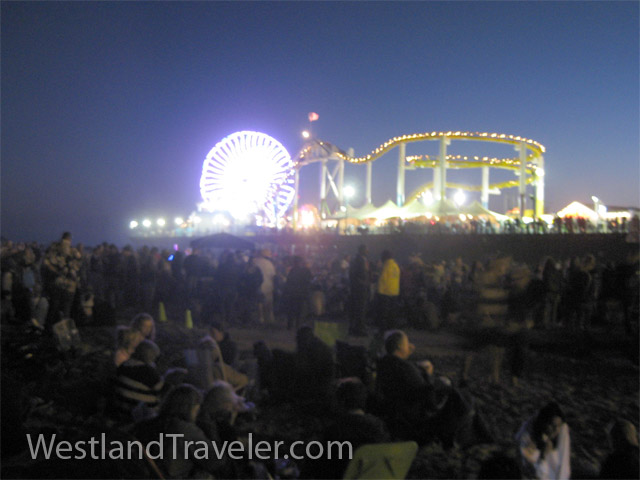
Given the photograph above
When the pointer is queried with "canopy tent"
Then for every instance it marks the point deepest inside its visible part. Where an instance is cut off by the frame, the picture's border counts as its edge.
(388, 210)
(223, 240)
(415, 208)
(444, 208)
(577, 209)
(362, 212)
(352, 213)
(477, 210)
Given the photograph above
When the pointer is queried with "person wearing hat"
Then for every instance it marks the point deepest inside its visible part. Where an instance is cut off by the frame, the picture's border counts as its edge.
(265, 265)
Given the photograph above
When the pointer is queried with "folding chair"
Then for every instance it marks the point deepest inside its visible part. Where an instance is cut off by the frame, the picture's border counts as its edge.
(329, 332)
(381, 461)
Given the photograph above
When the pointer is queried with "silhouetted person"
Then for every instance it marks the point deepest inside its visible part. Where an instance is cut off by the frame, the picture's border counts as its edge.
(360, 284)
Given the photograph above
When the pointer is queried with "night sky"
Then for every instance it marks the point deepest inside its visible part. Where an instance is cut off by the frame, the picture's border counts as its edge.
(109, 108)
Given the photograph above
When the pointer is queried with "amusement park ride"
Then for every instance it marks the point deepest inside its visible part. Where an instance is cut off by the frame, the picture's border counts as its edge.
(249, 178)
(528, 166)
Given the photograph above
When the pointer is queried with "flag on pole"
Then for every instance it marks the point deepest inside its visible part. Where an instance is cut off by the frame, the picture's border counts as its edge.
(313, 116)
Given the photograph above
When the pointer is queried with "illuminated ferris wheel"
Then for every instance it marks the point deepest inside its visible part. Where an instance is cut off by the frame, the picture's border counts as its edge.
(248, 173)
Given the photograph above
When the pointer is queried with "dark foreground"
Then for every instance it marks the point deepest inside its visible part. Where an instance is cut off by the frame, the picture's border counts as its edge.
(594, 377)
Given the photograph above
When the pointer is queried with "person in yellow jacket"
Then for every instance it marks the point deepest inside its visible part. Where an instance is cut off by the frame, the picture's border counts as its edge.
(387, 292)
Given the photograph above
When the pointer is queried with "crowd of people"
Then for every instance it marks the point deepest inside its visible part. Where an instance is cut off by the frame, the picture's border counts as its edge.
(211, 394)
(485, 224)
(43, 285)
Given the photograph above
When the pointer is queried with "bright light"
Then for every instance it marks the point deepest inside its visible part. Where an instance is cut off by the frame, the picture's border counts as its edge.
(349, 191)
(306, 134)
(540, 172)
(427, 197)
(161, 222)
(459, 197)
(221, 220)
(602, 210)
(178, 221)
(196, 219)
(248, 173)
(462, 217)
(146, 222)
(133, 224)
(307, 218)
(595, 199)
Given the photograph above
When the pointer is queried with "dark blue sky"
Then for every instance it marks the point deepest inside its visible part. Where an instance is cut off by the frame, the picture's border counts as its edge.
(109, 108)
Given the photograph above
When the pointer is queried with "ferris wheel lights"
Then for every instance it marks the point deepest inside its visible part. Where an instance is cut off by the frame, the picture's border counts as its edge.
(253, 173)
(221, 220)
(146, 223)
(133, 224)
(161, 222)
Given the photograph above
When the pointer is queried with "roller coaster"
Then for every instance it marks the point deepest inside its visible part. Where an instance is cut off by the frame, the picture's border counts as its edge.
(528, 167)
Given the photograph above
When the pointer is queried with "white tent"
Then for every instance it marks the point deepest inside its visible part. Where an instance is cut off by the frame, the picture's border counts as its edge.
(415, 208)
(577, 209)
(477, 210)
(388, 210)
(362, 212)
(444, 208)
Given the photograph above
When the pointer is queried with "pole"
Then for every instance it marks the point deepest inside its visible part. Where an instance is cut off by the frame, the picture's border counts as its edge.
(444, 141)
(523, 178)
(341, 182)
(484, 196)
(323, 188)
(296, 180)
(400, 184)
(540, 174)
(368, 182)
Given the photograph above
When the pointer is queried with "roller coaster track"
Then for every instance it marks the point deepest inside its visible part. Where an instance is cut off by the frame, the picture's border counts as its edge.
(310, 153)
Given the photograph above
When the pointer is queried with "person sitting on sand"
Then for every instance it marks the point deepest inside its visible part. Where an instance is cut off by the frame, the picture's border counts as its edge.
(177, 416)
(406, 387)
(623, 461)
(420, 405)
(127, 340)
(219, 410)
(545, 445)
(211, 366)
(143, 322)
(228, 347)
(351, 425)
(138, 381)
